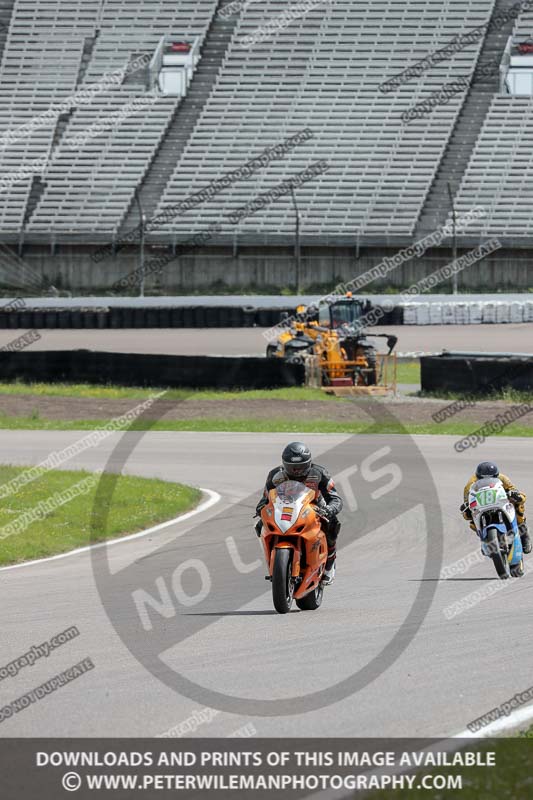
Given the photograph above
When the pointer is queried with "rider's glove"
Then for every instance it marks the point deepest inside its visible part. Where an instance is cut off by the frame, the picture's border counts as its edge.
(321, 511)
(515, 496)
(260, 506)
(465, 511)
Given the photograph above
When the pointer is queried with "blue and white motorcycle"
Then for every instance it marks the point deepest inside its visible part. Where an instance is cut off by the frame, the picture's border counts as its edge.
(495, 519)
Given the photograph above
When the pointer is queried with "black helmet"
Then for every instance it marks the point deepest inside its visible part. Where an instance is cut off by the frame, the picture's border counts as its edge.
(487, 469)
(296, 460)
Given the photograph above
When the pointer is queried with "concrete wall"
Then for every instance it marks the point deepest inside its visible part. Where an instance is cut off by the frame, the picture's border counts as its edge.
(72, 268)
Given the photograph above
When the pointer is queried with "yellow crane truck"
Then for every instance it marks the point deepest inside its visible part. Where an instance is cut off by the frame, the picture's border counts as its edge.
(334, 333)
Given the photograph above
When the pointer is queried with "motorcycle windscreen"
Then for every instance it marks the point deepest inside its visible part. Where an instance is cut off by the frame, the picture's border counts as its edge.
(290, 497)
(488, 494)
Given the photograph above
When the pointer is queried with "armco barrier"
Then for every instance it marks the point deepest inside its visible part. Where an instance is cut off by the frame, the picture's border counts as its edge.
(132, 369)
(474, 374)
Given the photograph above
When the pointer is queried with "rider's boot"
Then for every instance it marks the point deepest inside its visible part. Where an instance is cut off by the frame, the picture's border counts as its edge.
(524, 536)
(329, 572)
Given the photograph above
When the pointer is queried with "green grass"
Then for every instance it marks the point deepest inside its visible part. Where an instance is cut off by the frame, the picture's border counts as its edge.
(85, 390)
(260, 426)
(409, 372)
(510, 778)
(507, 395)
(136, 503)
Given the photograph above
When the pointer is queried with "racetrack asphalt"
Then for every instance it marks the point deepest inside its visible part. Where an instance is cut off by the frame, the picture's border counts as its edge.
(516, 338)
(450, 672)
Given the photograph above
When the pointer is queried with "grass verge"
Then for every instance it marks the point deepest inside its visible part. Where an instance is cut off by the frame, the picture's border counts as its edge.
(503, 396)
(137, 503)
(259, 426)
(408, 372)
(88, 391)
(509, 778)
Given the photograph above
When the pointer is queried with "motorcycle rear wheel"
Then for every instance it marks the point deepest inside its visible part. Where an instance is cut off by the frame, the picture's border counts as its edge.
(282, 582)
(311, 601)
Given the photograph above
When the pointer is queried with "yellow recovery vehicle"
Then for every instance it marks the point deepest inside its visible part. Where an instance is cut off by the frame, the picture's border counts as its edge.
(331, 342)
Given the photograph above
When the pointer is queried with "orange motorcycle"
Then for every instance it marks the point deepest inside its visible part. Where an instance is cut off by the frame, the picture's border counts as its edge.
(295, 547)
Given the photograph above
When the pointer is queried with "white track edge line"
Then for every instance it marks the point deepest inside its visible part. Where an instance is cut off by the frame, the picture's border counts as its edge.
(213, 498)
(498, 726)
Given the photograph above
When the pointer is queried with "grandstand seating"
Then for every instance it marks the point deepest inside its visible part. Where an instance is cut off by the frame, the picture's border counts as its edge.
(40, 65)
(524, 26)
(323, 72)
(91, 189)
(127, 27)
(500, 172)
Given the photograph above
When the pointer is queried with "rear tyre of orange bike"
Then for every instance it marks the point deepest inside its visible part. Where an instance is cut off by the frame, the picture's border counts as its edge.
(311, 601)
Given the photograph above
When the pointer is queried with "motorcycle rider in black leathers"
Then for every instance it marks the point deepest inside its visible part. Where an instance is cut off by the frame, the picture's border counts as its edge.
(297, 465)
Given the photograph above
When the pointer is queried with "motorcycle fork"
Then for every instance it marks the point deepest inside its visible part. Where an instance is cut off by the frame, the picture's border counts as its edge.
(296, 555)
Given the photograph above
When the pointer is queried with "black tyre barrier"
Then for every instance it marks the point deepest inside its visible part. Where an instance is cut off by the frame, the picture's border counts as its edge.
(151, 318)
(13, 319)
(189, 317)
(89, 319)
(139, 318)
(264, 317)
(397, 316)
(102, 318)
(386, 318)
(115, 317)
(164, 317)
(176, 317)
(236, 317)
(475, 375)
(214, 317)
(64, 319)
(26, 319)
(132, 369)
(249, 313)
(160, 317)
(199, 317)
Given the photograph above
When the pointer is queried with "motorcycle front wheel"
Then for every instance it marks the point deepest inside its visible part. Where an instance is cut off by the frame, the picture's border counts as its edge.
(282, 582)
(499, 559)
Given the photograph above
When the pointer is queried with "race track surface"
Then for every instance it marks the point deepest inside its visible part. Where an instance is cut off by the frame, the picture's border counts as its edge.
(429, 680)
(250, 341)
